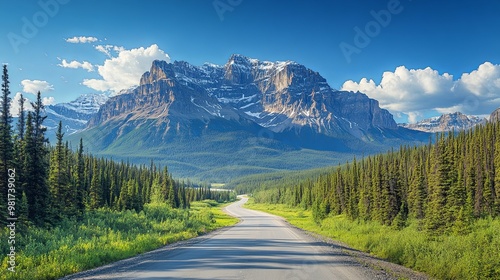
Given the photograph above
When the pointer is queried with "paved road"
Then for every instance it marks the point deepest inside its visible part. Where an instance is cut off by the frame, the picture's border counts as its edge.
(261, 246)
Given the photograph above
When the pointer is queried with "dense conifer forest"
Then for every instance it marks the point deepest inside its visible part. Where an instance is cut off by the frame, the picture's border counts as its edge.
(445, 185)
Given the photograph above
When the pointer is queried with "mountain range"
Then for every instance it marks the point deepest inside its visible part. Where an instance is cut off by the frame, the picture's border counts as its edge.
(216, 122)
(74, 115)
(446, 122)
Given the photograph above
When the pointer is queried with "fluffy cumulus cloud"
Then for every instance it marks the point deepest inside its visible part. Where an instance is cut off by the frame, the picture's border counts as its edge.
(48, 100)
(75, 65)
(14, 105)
(34, 86)
(82, 40)
(413, 91)
(125, 70)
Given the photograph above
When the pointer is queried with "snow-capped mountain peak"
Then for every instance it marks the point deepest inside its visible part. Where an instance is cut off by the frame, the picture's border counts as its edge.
(280, 96)
(447, 122)
(74, 114)
(86, 103)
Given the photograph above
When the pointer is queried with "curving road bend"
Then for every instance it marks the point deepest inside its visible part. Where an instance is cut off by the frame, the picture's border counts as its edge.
(261, 246)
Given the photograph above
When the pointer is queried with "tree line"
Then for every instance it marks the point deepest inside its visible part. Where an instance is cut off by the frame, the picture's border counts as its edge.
(444, 185)
(55, 182)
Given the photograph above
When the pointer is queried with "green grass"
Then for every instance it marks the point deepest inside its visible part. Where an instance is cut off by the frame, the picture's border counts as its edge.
(105, 236)
(475, 255)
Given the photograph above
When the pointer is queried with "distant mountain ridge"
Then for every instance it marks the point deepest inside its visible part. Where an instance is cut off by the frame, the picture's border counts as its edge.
(446, 122)
(246, 115)
(75, 114)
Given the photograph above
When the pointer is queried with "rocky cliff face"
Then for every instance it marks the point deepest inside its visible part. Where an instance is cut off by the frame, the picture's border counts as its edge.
(279, 96)
(495, 116)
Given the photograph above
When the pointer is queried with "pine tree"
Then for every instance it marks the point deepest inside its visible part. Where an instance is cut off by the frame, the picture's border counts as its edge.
(438, 187)
(58, 178)
(95, 190)
(6, 143)
(35, 166)
(21, 121)
(19, 145)
(497, 168)
(135, 196)
(79, 173)
(417, 191)
(156, 193)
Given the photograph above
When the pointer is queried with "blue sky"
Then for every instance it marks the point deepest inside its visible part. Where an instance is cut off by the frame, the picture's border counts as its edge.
(419, 58)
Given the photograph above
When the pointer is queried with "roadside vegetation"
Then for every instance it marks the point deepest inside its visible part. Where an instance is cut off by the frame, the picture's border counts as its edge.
(105, 235)
(474, 255)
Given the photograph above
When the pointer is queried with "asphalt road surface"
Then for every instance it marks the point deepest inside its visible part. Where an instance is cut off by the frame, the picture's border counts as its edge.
(261, 246)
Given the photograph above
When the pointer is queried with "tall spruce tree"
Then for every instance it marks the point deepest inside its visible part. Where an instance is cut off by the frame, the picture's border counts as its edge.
(79, 173)
(37, 164)
(496, 167)
(58, 178)
(21, 121)
(95, 190)
(19, 157)
(6, 143)
(417, 191)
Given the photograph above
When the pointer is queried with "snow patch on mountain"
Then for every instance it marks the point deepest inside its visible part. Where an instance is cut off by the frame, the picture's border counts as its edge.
(74, 115)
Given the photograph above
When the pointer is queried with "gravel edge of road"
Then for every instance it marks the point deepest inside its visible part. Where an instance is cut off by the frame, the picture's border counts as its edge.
(389, 269)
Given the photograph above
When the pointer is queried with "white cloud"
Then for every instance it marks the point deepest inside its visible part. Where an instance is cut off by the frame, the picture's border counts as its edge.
(34, 86)
(125, 70)
(75, 65)
(485, 81)
(48, 100)
(106, 49)
(413, 91)
(81, 39)
(414, 116)
(14, 105)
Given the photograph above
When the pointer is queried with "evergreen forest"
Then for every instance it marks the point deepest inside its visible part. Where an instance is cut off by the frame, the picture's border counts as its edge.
(445, 185)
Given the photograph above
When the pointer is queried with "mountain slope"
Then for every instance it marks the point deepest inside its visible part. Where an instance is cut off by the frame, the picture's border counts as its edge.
(244, 117)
